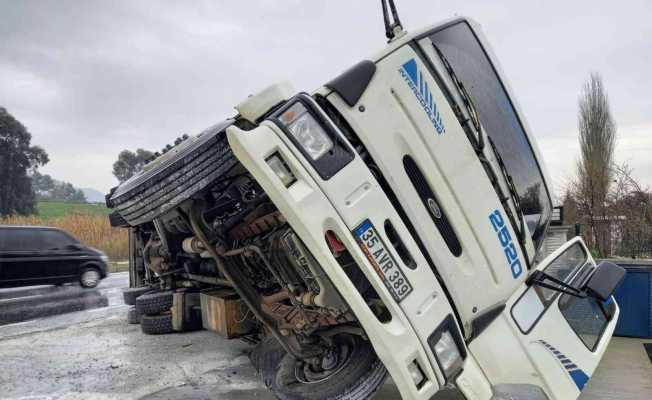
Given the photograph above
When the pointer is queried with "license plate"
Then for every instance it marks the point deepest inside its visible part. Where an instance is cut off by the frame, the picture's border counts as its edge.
(381, 259)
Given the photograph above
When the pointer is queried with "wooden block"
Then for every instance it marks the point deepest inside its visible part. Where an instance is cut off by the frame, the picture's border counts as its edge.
(223, 313)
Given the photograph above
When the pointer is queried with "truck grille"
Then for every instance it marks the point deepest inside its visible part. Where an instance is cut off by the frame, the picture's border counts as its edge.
(431, 203)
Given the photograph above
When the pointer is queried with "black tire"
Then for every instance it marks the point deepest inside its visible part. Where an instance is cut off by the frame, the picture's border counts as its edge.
(90, 277)
(117, 221)
(133, 317)
(357, 378)
(174, 176)
(156, 324)
(129, 295)
(154, 303)
(266, 357)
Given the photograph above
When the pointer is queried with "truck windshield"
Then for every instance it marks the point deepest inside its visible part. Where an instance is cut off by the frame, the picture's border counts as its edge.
(468, 59)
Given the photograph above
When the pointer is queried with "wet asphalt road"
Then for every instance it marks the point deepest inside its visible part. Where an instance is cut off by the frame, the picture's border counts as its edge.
(111, 288)
(95, 354)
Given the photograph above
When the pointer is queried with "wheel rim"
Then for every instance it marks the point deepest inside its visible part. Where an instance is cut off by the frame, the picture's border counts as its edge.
(90, 278)
(331, 364)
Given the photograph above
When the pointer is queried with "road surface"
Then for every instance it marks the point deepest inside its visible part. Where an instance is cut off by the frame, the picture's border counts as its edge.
(95, 354)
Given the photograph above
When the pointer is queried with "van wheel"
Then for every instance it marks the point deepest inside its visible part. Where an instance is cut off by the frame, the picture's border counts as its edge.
(156, 324)
(350, 371)
(154, 303)
(89, 278)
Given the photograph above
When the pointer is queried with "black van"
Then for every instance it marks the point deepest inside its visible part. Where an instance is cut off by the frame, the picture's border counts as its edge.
(34, 255)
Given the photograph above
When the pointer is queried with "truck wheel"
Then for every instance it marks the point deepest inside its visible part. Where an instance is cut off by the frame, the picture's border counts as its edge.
(154, 303)
(351, 371)
(266, 357)
(129, 294)
(156, 324)
(89, 278)
(133, 317)
(173, 177)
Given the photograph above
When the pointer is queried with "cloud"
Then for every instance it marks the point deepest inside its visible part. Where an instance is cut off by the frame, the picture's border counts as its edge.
(634, 147)
(91, 78)
(27, 87)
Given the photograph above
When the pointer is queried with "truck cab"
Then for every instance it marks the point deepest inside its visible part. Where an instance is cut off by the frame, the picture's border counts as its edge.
(414, 176)
(446, 159)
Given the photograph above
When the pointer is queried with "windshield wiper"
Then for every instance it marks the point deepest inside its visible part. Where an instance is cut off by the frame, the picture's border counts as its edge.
(516, 200)
(478, 145)
(474, 118)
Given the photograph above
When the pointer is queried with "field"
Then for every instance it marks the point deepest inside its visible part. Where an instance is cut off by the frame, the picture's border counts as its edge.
(87, 222)
(53, 209)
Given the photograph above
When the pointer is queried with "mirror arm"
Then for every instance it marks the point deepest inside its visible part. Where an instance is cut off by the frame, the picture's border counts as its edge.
(539, 277)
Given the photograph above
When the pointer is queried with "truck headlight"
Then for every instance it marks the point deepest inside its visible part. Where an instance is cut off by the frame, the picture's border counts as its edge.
(314, 133)
(447, 345)
(305, 129)
(104, 258)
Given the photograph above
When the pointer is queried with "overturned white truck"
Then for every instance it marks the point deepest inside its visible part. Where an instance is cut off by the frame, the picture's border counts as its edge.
(387, 223)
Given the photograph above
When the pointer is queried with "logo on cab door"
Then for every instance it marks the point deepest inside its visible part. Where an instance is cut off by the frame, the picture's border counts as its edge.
(505, 239)
(579, 377)
(414, 78)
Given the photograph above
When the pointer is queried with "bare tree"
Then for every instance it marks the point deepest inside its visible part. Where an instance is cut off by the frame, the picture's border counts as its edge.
(630, 206)
(597, 135)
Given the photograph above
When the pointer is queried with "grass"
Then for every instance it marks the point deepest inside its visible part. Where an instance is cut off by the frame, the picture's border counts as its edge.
(92, 230)
(55, 209)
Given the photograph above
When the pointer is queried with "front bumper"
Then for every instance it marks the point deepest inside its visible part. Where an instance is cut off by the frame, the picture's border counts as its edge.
(312, 207)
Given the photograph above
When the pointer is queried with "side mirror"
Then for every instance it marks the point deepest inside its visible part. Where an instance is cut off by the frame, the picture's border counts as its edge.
(604, 281)
(74, 247)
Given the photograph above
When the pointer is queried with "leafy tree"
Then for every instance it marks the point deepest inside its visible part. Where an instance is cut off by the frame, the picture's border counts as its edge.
(42, 184)
(64, 191)
(17, 159)
(129, 163)
(50, 189)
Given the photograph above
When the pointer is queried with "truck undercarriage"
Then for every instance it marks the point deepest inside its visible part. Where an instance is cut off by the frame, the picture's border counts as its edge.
(225, 233)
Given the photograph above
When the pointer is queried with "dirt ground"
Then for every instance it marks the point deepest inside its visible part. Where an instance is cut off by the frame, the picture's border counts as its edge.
(95, 354)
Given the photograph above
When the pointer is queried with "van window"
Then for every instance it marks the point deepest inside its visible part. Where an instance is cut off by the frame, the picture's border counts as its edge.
(52, 240)
(18, 240)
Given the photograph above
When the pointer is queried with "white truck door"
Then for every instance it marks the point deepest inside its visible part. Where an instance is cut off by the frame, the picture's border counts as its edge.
(564, 336)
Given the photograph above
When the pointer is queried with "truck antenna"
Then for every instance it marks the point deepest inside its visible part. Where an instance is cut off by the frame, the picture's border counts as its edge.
(392, 30)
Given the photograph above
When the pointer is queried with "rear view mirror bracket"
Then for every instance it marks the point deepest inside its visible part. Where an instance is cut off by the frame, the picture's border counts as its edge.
(601, 285)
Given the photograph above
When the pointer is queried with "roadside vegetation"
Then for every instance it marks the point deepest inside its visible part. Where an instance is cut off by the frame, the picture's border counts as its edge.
(24, 189)
(57, 209)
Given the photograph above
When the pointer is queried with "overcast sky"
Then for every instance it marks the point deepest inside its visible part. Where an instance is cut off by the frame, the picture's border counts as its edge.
(90, 78)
